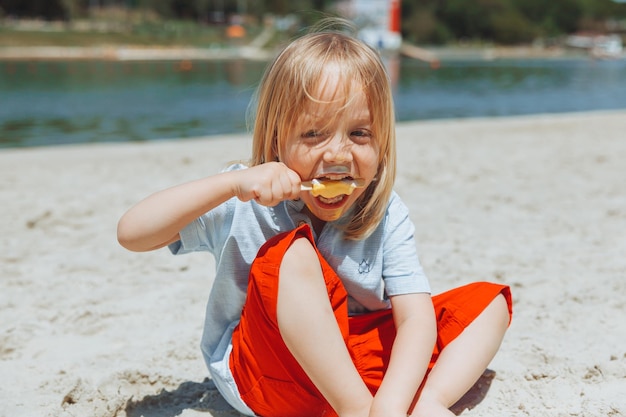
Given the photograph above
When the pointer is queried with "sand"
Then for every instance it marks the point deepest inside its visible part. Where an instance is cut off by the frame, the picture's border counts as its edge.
(88, 329)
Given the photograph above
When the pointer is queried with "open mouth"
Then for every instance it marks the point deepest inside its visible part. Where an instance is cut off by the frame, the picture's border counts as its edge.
(330, 178)
(333, 200)
(336, 188)
(332, 189)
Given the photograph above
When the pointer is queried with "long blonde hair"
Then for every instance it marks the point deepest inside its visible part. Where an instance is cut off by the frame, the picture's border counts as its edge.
(284, 92)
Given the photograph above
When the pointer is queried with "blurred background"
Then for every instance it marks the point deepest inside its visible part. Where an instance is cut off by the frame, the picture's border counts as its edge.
(77, 71)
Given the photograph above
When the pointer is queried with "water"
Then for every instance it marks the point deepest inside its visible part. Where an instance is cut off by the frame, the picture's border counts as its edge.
(514, 87)
(49, 103)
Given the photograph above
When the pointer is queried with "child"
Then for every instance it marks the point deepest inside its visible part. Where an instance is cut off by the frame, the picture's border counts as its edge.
(319, 305)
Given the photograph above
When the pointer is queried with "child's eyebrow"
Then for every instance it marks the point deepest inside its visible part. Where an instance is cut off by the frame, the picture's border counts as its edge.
(364, 118)
(308, 118)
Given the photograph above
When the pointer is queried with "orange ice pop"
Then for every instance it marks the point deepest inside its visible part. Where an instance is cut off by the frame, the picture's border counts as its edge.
(332, 188)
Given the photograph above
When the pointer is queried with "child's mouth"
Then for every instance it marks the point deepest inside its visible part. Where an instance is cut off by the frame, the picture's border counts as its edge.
(332, 190)
(332, 201)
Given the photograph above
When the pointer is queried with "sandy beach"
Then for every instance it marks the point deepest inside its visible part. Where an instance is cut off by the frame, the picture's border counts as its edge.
(88, 329)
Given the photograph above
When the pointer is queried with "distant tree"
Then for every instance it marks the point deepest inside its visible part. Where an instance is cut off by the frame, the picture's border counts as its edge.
(421, 25)
(502, 21)
(603, 9)
(46, 9)
(553, 17)
(482, 19)
(423, 21)
(511, 27)
(72, 8)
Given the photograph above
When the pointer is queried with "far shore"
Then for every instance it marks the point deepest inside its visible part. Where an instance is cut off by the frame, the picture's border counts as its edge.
(143, 53)
(130, 53)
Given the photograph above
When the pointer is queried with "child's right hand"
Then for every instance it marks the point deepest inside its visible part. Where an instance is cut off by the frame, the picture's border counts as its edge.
(267, 184)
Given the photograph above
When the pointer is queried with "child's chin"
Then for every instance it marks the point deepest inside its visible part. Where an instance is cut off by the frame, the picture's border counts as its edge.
(334, 217)
(327, 214)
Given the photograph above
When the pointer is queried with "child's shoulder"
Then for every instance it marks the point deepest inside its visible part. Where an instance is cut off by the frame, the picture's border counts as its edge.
(397, 210)
(396, 202)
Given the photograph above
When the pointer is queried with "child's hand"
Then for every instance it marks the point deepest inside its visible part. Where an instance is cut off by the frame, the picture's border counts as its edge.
(268, 184)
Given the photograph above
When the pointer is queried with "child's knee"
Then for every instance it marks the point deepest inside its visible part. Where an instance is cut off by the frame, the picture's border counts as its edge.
(301, 247)
(499, 308)
(304, 272)
(302, 257)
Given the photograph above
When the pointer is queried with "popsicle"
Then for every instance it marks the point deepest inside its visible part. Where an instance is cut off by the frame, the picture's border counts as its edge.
(332, 188)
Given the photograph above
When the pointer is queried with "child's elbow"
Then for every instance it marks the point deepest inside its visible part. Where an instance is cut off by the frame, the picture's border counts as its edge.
(126, 237)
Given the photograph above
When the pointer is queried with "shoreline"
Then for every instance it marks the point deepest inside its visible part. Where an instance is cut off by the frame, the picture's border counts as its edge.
(402, 127)
(142, 53)
(130, 53)
(537, 117)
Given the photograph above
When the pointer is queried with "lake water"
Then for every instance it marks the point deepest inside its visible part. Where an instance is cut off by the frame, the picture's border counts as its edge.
(57, 102)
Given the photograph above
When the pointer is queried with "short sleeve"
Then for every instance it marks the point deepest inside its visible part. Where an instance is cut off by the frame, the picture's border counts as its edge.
(402, 271)
(207, 232)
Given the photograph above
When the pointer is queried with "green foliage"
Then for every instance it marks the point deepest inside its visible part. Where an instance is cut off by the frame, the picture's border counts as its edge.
(422, 26)
(511, 27)
(171, 33)
(424, 21)
(502, 21)
(554, 17)
(47, 9)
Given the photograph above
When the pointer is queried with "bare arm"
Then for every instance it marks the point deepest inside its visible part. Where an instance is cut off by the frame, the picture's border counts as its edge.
(412, 349)
(156, 221)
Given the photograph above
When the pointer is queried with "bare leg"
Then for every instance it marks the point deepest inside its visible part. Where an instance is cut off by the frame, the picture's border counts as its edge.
(310, 331)
(463, 361)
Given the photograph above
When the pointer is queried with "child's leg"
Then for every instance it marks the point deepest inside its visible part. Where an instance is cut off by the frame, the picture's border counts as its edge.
(463, 360)
(309, 328)
(295, 302)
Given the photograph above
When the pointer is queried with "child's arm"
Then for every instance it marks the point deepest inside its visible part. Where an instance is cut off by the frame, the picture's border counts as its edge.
(412, 349)
(156, 221)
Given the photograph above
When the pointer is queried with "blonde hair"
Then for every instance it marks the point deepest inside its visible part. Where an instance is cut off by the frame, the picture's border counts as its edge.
(284, 92)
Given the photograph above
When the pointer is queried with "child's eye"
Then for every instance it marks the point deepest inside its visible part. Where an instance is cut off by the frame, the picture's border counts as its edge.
(311, 134)
(361, 134)
(315, 135)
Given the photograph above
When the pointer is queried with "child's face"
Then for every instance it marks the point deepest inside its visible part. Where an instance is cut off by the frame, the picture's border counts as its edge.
(332, 140)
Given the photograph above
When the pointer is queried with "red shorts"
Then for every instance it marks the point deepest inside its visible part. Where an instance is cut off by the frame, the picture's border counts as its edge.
(271, 381)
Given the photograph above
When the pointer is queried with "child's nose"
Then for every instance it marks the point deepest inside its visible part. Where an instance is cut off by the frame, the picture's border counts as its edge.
(338, 149)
